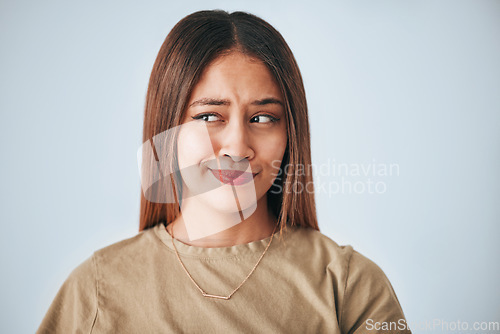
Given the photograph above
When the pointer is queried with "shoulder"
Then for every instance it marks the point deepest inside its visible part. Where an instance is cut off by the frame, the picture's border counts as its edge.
(129, 248)
(361, 270)
(111, 255)
(355, 274)
(128, 243)
(363, 291)
(339, 257)
(75, 307)
(312, 243)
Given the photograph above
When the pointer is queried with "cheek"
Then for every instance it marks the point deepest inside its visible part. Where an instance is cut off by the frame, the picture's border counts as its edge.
(193, 145)
(272, 150)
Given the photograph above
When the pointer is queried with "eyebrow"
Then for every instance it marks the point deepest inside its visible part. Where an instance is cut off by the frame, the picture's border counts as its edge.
(218, 102)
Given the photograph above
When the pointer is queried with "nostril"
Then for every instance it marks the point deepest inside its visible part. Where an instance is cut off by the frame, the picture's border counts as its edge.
(236, 158)
(236, 162)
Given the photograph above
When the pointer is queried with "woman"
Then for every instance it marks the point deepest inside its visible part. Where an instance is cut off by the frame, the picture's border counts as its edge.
(225, 113)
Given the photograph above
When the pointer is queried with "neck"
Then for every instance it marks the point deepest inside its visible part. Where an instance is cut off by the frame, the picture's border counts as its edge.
(230, 230)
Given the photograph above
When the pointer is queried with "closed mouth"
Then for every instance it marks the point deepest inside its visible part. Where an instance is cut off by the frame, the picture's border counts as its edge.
(233, 177)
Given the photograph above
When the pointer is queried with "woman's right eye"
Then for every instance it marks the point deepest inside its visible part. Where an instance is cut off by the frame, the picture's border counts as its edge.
(209, 118)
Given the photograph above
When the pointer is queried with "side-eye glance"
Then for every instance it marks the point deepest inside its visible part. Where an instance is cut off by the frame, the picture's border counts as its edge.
(212, 118)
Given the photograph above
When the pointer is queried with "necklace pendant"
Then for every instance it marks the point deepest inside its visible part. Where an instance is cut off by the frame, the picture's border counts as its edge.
(215, 296)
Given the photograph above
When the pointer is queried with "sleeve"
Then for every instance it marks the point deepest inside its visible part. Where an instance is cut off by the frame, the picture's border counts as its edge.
(370, 304)
(74, 309)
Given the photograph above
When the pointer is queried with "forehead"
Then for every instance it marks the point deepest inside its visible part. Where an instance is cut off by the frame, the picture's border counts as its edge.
(238, 76)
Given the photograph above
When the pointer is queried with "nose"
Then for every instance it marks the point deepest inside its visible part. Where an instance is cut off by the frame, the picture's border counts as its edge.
(236, 142)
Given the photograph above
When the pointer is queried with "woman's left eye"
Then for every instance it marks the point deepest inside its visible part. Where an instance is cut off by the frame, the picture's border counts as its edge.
(264, 119)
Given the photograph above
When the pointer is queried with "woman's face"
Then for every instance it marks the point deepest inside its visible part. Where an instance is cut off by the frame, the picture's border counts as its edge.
(233, 134)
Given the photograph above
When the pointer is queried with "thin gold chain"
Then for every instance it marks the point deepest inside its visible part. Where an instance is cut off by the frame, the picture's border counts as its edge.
(239, 286)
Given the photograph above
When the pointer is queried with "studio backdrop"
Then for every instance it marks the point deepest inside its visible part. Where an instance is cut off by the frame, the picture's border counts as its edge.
(404, 111)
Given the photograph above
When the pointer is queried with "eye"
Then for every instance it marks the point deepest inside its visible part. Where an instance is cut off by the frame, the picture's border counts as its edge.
(207, 117)
(264, 119)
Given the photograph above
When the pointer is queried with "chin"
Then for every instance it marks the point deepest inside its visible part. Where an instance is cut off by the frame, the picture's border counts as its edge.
(223, 199)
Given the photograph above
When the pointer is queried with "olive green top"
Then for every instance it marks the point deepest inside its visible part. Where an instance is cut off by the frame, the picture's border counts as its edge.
(305, 283)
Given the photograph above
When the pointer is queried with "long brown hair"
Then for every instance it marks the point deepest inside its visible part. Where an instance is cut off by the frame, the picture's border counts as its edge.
(192, 44)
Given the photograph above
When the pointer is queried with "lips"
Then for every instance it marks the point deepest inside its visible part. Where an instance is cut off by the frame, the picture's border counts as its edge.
(233, 177)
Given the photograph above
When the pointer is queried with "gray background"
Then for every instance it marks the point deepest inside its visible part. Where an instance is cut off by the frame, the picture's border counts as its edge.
(413, 83)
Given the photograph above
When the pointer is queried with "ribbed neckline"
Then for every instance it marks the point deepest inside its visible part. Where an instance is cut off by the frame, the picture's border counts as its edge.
(257, 246)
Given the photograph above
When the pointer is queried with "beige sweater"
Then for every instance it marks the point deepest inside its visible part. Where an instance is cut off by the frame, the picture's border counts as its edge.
(305, 283)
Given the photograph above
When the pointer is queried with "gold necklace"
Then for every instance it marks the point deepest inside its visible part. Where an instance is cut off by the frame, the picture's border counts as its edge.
(239, 286)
